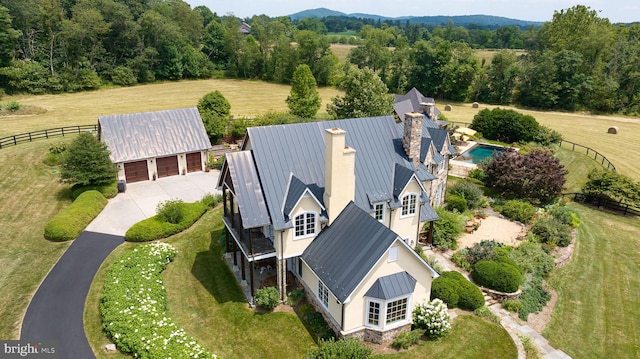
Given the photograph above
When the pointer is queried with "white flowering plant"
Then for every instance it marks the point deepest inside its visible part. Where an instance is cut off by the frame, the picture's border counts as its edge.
(433, 317)
(133, 306)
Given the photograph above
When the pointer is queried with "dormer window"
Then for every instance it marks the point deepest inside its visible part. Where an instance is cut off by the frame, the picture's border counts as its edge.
(306, 225)
(379, 211)
(409, 205)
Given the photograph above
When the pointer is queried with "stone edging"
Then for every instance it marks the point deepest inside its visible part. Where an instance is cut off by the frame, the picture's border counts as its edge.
(501, 296)
(565, 259)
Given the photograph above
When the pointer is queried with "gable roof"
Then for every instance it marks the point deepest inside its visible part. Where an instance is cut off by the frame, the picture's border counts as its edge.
(392, 286)
(296, 191)
(346, 251)
(300, 149)
(137, 136)
(414, 98)
(247, 188)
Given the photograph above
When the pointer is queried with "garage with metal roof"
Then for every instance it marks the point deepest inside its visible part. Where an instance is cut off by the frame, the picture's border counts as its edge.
(151, 145)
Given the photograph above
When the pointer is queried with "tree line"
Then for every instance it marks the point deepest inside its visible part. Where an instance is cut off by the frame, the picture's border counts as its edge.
(576, 61)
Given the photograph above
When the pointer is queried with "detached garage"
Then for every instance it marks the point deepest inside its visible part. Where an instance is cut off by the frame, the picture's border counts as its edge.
(151, 145)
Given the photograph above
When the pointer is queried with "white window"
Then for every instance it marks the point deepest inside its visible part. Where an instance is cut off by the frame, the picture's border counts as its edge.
(373, 315)
(305, 225)
(393, 254)
(409, 205)
(379, 211)
(440, 167)
(384, 314)
(323, 294)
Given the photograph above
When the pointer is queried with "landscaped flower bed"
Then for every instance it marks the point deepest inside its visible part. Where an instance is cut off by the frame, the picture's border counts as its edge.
(134, 307)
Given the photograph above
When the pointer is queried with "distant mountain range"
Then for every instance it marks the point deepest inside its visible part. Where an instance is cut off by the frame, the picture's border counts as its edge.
(464, 20)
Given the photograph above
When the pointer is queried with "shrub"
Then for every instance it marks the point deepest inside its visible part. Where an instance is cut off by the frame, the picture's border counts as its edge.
(447, 229)
(477, 173)
(469, 295)
(485, 312)
(433, 317)
(455, 203)
(547, 137)
(517, 210)
(133, 307)
(53, 159)
(531, 258)
(459, 258)
(170, 210)
(496, 275)
(58, 148)
(295, 297)
(471, 193)
(612, 185)
(318, 325)
(446, 289)
(108, 190)
(13, 106)
(551, 231)
(268, 298)
(210, 200)
(71, 221)
(123, 76)
(407, 339)
(565, 215)
(533, 298)
(505, 125)
(512, 305)
(482, 250)
(345, 348)
(155, 228)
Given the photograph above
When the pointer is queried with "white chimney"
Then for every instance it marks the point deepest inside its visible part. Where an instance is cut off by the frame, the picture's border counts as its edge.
(412, 138)
(339, 173)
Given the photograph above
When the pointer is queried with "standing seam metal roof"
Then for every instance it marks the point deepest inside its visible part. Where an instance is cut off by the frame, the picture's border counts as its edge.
(392, 286)
(248, 190)
(343, 253)
(137, 136)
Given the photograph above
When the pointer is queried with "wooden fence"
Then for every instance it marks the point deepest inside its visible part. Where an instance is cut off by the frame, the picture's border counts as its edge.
(52, 132)
(590, 152)
(604, 202)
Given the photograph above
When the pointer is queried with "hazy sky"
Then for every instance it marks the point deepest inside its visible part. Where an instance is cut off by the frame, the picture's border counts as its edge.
(533, 10)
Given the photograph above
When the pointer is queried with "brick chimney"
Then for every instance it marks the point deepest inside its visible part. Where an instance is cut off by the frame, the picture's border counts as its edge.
(339, 173)
(412, 138)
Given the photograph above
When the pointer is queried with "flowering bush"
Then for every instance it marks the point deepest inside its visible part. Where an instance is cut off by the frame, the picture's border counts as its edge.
(134, 307)
(433, 317)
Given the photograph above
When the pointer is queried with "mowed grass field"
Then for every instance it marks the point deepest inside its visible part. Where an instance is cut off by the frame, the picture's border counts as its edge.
(247, 98)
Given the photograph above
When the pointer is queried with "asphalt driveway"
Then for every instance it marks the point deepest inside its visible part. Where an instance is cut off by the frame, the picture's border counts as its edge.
(57, 308)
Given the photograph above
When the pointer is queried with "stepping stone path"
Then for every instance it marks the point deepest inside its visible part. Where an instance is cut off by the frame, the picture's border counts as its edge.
(509, 323)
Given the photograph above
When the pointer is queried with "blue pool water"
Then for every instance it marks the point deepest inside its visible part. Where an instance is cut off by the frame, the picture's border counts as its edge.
(478, 153)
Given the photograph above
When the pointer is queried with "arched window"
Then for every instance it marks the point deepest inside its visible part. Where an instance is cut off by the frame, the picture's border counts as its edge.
(305, 225)
(409, 205)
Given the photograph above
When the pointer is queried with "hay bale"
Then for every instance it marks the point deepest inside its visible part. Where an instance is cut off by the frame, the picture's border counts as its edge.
(613, 130)
(447, 108)
(475, 105)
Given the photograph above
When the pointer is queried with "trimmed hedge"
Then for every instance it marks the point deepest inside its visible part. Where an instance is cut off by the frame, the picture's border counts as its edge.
(455, 290)
(107, 190)
(156, 228)
(71, 221)
(497, 275)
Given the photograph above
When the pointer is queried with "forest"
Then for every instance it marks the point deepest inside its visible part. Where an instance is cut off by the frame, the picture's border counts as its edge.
(576, 61)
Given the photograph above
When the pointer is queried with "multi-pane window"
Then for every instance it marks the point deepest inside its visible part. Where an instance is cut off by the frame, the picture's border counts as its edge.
(396, 310)
(323, 294)
(379, 211)
(305, 224)
(409, 204)
(374, 313)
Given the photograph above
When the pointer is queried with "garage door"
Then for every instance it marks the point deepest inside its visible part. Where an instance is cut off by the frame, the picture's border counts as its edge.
(167, 166)
(136, 171)
(194, 162)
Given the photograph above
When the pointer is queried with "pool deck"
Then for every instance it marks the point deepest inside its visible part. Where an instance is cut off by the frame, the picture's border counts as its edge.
(462, 168)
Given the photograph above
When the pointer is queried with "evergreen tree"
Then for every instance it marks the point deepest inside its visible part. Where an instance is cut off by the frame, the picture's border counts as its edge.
(365, 95)
(304, 99)
(87, 162)
(215, 111)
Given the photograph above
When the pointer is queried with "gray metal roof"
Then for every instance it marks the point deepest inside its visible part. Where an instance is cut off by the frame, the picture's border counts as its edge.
(392, 286)
(427, 213)
(137, 136)
(401, 177)
(343, 253)
(438, 158)
(300, 149)
(248, 190)
(415, 98)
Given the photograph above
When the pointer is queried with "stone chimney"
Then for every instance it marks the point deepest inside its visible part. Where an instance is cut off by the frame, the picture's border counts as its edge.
(412, 138)
(339, 173)
(428, 108)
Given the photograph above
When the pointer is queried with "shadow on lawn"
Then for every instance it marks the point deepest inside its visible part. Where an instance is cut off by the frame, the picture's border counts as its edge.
(213, 273)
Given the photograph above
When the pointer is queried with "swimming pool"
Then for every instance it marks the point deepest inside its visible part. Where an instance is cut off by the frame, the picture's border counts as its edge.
(479, 153)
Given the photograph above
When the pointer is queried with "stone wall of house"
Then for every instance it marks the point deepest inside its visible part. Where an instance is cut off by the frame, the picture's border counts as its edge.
(311, 298)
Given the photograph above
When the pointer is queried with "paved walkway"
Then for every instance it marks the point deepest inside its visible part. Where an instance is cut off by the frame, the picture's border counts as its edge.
(56, 310)
(509, 323)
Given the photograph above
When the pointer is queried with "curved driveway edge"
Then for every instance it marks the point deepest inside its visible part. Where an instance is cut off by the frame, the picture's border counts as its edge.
(57, 309)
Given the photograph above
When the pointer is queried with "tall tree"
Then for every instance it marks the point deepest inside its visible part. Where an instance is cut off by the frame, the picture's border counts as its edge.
(8, 37)
(374, 52)
(502, 77)
(365, 95)
(215, 111)
(304, 99)
(87, 162)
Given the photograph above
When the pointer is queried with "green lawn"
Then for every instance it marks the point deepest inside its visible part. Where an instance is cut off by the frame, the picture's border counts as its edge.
(30, 195)
(579, 166)
(598, 310)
